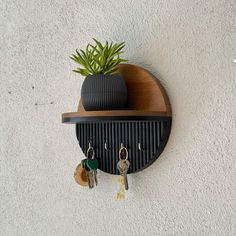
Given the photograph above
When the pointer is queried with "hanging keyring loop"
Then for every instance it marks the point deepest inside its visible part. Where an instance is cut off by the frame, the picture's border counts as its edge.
(126, 152)
(90, 149)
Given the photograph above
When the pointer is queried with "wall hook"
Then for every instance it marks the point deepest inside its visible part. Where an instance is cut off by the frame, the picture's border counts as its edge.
(105, 146)
(139, 147)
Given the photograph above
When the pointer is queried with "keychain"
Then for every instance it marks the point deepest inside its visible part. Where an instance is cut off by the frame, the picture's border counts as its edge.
(80, 175)
(123, 167)
(86, 172)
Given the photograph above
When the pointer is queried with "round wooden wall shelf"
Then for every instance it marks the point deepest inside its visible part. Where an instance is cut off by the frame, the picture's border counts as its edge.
(143, 128)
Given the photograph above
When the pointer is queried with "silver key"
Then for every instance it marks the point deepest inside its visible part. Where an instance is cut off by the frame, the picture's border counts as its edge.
(123, 167)
(93, 174)
(95, 177)
(90, 175)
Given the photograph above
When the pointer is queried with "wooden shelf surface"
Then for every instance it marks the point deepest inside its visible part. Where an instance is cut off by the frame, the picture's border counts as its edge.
(114, 113)
(75, 117)
(146, 97)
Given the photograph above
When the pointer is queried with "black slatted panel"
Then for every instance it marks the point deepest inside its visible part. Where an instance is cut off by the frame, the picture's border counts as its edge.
(152, 136)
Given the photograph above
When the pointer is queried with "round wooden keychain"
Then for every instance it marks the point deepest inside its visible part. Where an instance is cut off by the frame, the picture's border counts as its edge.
(80, 175)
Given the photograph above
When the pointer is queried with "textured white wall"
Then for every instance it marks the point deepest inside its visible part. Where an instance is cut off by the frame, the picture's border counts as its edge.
(190, 46)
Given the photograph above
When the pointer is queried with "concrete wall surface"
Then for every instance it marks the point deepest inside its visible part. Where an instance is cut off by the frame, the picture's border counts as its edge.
(189, 45)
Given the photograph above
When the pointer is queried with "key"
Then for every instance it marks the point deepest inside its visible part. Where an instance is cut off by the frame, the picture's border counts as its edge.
(95, 177)
(88, 174)
(90, 178)
(123, 167)
(92, 165)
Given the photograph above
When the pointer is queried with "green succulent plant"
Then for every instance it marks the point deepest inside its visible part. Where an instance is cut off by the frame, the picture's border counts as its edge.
(98, 58)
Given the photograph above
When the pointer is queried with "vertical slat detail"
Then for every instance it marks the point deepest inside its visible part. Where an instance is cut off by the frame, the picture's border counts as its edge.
(152, 135)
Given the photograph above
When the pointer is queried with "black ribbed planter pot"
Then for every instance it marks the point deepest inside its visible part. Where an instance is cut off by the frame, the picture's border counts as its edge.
(104, 92)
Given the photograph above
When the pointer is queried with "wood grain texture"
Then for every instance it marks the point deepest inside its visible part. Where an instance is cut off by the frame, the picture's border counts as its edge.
(113, 113)
(146, 96)
(144, 90)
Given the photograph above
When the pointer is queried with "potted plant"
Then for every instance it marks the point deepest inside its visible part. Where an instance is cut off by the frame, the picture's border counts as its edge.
(103, 87)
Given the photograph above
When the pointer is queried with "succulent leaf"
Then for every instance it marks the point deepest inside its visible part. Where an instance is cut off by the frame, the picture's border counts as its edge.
(98, 58)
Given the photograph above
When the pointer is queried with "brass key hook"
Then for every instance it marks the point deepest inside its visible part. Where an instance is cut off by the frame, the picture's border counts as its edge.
(90, 148)
(122, 147)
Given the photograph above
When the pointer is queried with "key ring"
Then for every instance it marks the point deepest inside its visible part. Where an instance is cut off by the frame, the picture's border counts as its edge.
(126, 152)
(89, 149)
